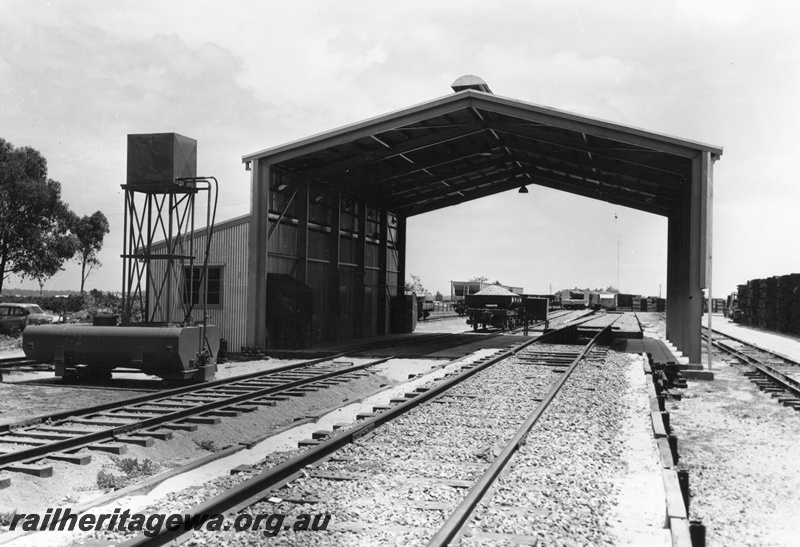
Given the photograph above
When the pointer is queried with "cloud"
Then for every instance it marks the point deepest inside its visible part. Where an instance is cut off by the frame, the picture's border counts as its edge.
(239, 77)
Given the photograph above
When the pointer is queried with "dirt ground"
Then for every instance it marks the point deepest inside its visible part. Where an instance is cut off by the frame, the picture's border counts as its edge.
(739, 446)
(29, 394)
(9, 344)
(72, 484)
(20, 402)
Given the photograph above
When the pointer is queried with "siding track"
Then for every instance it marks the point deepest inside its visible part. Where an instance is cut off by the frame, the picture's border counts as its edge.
(771, 372)
(442, 447)
(139, 420)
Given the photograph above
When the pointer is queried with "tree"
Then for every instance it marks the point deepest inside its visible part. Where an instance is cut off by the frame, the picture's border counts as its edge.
(49, 262)
(438, 297)
(415, 285)
(34, 222)
(89, 231)
(480, 279)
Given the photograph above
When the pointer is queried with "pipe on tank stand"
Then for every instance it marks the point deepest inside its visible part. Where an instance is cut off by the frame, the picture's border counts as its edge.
(211, 215)
(210, 220)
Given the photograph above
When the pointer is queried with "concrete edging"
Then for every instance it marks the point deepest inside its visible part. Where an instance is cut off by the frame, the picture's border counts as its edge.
(676, 482)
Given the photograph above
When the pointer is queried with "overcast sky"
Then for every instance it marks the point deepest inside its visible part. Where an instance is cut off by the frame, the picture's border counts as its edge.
(77, 76)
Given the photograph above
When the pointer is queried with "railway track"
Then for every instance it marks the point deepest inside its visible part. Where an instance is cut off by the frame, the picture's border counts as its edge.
(23, 363)
(427, 485)
(63, 436)
(557, 320)
(772, 373)
(11, 363)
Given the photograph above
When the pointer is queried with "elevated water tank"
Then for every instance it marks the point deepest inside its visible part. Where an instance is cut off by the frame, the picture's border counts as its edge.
(157, 159)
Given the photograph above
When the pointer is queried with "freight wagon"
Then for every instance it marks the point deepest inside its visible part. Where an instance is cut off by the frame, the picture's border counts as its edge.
(424, 307)
(573, 300)
(603, 301)
(553, 300)
(493, 307)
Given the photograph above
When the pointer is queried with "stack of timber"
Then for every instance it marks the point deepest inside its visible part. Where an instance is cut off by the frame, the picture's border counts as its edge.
(772, 303)
(629, 302)
(651, 303)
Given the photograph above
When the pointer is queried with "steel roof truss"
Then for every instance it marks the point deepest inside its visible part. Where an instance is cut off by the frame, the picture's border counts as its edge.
(602, 192)
(503, 185)
(610, 178)
(596, 158)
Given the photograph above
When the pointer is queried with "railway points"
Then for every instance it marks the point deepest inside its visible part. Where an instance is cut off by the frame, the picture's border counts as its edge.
(434, 352)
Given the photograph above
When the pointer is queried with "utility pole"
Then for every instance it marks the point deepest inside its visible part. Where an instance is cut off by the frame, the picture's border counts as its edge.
(618, 245)
(659, 290)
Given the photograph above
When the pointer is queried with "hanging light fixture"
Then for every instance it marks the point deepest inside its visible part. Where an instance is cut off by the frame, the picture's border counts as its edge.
(524, 189)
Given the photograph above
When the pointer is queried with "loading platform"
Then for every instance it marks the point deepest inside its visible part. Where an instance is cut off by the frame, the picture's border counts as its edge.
(656, 347)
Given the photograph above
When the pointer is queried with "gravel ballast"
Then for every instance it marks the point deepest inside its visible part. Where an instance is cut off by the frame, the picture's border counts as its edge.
(571, 484)
(393, 489)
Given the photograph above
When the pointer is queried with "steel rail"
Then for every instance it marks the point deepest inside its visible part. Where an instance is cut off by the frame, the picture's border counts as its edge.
(164, 394)
(461, 515)
(253, 489)
(560, 314)
(109, 433)
(750, 344)
(776, 376)
(153, 397)
(8, 362)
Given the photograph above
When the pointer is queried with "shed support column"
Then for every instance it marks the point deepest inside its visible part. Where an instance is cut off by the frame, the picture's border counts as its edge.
(359, 288)
(698, 253)
(692, 295)
(258, 256)
(684, 275)
(400, 244)
(333, 281)
(687, 264)
(301, 210)
(671, 309)
(675, 271)
(709, 193)
(383, 289)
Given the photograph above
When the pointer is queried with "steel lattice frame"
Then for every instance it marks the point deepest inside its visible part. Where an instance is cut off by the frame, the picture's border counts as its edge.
(157, 214)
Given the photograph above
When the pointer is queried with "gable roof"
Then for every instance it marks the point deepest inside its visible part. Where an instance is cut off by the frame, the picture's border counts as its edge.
(472, 144)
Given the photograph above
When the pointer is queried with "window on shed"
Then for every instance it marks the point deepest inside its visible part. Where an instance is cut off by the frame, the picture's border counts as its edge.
(199, 291)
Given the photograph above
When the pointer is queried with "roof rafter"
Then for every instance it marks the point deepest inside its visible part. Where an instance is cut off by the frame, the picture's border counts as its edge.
(473, 144)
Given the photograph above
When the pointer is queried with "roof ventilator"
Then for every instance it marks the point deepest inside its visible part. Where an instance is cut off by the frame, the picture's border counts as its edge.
(470, 82)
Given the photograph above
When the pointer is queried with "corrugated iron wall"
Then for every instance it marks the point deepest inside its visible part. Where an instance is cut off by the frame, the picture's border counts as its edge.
(333, 244)
(229, 245)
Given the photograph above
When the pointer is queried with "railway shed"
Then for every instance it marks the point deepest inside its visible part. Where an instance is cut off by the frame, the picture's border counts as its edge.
(329, 212)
